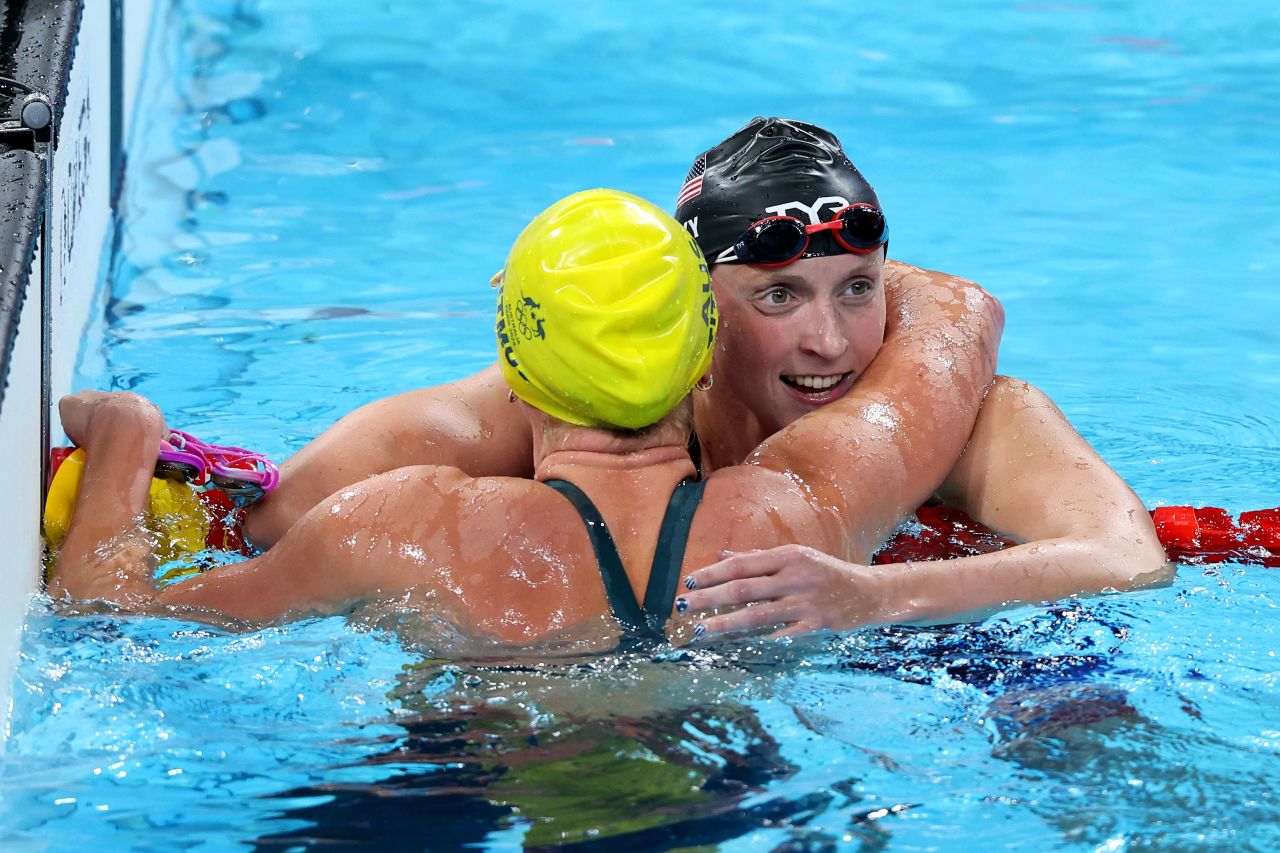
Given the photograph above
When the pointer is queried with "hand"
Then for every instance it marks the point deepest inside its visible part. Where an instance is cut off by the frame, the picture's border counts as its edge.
(105, 555)
(90, 415)
(791, 588)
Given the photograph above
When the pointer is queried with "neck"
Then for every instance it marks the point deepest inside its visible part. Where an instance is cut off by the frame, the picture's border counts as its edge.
(727, 430)
(665, 461)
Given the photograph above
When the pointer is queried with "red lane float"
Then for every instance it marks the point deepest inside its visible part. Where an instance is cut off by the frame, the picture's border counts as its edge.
(1208, 534)
(1193, 535)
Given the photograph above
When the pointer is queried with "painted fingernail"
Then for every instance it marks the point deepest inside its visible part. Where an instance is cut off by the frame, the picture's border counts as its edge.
(699, 630)
(690, 583)
(681, 605)
(726, 554)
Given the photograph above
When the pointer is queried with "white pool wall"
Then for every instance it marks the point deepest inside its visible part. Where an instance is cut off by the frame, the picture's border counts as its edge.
(66, 275)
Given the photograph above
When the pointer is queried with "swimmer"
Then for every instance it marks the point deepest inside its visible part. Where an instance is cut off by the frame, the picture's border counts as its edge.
(606, 322)
(917, 374)
(766, 206)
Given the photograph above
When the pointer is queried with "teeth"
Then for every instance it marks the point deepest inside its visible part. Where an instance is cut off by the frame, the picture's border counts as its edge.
(817, 383)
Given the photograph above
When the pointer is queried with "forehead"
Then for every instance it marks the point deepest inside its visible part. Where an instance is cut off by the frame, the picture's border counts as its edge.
(812, 272)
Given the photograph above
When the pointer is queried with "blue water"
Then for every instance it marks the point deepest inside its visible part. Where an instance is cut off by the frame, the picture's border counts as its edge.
(318, 193)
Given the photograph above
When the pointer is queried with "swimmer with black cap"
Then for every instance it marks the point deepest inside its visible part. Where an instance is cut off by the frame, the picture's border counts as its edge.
(798, 242)
(775, 193)
(606, 322)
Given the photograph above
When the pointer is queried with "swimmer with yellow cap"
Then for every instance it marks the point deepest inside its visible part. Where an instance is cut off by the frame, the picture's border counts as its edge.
(606, 322)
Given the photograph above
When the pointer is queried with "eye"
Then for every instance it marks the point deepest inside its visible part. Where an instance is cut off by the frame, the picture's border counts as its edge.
(776, 296)
(858, 287)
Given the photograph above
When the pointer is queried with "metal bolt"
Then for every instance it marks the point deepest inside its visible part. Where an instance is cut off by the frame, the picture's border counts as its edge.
(36, 112)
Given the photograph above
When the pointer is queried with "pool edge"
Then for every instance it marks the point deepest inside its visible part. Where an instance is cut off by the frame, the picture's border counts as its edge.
(67, 178)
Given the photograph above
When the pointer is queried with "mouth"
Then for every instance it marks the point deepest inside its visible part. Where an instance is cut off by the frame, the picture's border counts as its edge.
(817, 390)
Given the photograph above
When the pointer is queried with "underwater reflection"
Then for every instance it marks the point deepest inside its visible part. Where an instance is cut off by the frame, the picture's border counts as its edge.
(514, 754)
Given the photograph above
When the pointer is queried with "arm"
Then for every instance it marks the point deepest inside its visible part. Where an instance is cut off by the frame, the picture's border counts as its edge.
(467, 424)
(107, 554)
(1027, 473)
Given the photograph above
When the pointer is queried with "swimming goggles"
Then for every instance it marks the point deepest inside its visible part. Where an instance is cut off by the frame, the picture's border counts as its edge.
(244, 475)
(779, 240)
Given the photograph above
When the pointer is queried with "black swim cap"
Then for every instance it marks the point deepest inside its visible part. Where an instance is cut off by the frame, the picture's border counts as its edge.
(772, 167)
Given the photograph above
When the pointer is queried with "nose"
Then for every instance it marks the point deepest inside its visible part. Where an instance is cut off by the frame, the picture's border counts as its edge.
(824, 335)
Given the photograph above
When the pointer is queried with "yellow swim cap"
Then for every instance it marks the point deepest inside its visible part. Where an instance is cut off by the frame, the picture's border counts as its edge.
(174, 511)
(605, 313)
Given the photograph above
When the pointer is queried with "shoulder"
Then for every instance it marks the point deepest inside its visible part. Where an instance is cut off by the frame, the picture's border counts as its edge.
(904, 274)
(913, 292)
(476, 394)
(906, 279)
(756, 506)
(447, 504)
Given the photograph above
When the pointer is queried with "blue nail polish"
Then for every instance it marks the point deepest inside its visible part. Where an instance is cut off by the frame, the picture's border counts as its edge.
(699, 630)
(690, 583)
(681, 605)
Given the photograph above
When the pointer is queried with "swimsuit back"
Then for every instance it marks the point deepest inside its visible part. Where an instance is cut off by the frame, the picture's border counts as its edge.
(641, 625)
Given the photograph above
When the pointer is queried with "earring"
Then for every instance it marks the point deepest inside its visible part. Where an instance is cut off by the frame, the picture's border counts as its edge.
(705, 383)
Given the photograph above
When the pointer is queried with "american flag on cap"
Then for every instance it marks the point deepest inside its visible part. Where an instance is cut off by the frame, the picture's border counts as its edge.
(692, 182)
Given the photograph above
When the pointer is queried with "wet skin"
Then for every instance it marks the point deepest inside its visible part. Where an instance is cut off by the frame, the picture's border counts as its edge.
(1068, 499)
(469, 423)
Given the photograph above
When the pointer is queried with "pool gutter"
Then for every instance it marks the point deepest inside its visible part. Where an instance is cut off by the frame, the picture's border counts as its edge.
(71, 67)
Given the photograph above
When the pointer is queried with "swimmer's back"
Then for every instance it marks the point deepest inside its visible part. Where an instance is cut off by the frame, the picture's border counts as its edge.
(510, 559)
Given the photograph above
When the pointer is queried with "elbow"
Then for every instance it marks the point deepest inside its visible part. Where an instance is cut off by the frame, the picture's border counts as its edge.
(983, 308)
(992, 309)
(1148, 566)
(988, 317)
(1133, 562)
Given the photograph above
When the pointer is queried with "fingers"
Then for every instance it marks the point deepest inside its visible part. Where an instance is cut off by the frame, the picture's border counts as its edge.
(744, 565)
(74, 413)
(731, 594)
(792, 630)
(113, 417)
(746, 619)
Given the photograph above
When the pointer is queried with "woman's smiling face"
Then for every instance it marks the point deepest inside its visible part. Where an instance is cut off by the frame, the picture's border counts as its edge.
(793, 339)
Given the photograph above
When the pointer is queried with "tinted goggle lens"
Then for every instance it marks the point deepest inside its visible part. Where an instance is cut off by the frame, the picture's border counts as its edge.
(863, 226)
(775, 241)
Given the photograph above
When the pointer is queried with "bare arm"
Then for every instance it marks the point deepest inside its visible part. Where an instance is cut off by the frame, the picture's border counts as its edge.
(1027, 473)
(107, 555)
(468, 424)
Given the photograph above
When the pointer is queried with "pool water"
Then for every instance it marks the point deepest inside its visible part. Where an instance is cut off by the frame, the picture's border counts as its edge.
(318, 193)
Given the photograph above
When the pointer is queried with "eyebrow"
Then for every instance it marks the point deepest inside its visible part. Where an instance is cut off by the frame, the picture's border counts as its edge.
(790, 278)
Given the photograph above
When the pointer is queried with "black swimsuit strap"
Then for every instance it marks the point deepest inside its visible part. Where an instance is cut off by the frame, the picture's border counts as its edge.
(673, 536)
(640, 623)
(622, 601)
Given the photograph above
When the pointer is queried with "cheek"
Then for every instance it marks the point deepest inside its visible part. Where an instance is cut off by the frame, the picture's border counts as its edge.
(747, 345)
(868, 335)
